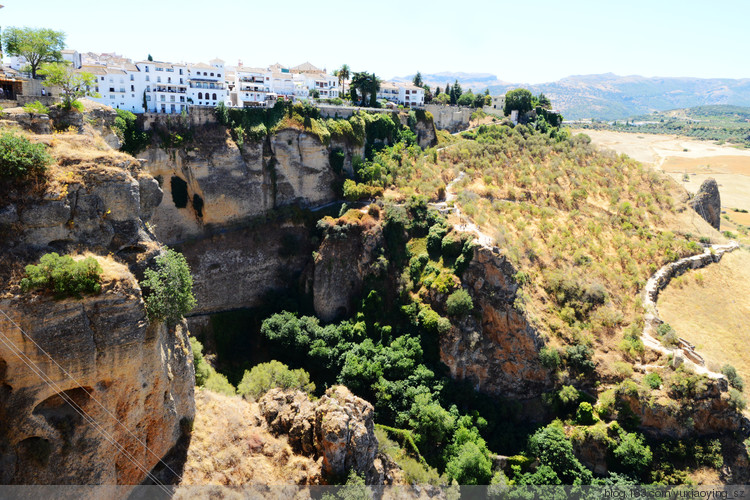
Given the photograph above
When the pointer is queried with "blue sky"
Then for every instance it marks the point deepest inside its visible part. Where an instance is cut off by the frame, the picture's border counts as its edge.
(529, 41)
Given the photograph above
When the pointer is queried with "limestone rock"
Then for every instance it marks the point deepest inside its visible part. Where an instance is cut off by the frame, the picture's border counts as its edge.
(8, 215)
(119, 368)
(707, 202)
(343, 261)
(499, 352)
(338, 428)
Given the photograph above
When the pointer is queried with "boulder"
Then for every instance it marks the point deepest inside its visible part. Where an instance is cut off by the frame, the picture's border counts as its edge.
(338, 428)
(707, 202)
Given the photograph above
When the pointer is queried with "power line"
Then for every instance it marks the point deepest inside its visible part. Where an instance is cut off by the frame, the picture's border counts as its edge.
(90, 395)
(65, 397)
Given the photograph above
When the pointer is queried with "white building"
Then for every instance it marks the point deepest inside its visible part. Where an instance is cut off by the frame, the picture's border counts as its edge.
(401, 93)
(73, 57)
(410, 95)
(326, 85)
(252, 86)
(388, 91)
(165, 86)
(119, 88)
(207, 83)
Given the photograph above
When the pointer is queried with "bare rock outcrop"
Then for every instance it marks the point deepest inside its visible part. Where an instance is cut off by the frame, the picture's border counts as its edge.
(338, 428)
(497, 350)
(100, 208)
(132, 378)
(708, 413)
(707, 202)
(342, 262)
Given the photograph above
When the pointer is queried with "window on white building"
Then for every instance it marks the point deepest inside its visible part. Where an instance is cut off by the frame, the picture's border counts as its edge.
(158, 79)
(148, 79)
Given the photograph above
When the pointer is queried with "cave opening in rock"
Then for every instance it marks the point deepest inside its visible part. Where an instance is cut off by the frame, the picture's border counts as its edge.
(61, 410)
(179, 192)
(198, 205)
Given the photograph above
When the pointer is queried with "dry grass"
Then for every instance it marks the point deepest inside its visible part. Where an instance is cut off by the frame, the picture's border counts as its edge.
(710, 308)
(229, 446)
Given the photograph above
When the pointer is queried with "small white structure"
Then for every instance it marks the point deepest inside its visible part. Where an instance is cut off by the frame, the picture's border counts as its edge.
(410, 95)
(119, 88)
(73, 57)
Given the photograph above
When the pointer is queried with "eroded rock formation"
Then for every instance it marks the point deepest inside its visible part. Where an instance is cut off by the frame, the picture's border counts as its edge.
(495, 349)
(338, 428)
(707, 202)
(342, 262)
(113, 364)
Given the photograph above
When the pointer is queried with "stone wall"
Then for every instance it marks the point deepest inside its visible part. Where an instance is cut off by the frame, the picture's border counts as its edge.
(451, 118)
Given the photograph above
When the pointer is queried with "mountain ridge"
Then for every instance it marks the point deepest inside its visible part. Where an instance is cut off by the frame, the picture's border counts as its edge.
(610, 96)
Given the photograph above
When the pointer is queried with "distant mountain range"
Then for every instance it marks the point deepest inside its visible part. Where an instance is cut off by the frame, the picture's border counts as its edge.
(609, 96)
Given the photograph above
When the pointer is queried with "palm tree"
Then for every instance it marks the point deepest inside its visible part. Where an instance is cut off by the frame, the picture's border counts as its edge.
(343, 75)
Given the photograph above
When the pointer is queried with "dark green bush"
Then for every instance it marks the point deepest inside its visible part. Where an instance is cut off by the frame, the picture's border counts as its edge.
(549, 357)
(20, 158)
(134, 139)
(733, 377)
(585, 414)
(578, 357)
(170, 288)
(653, 380)
(633, 454)
(63, 275)
(737, 400)
(452, 245)
(202, 368)
(459, 303)
(266, 376)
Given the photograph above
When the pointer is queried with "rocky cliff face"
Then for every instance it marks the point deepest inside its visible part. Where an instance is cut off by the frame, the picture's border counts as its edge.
(342, 262)
(101, 208)
(708, 413)
(707, 202)
(495, 349)
(237, 268)
(113, 364)
(218, 183)
(338, 428)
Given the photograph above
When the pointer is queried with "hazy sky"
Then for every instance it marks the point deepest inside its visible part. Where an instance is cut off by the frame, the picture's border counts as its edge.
(523, 41)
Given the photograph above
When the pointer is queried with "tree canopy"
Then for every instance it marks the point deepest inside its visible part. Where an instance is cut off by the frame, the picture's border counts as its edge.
(518, 99)
(418, 79)
(36, 45)
(365, 85)
(74, 84)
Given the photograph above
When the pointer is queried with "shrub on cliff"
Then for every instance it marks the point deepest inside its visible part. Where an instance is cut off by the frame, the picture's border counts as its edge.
(202, 368)
(459, 303)
(632, 454)
(21, 158)
(63, 275)
(134, 139)
(266, 376)
(730, 372)
(170, 288)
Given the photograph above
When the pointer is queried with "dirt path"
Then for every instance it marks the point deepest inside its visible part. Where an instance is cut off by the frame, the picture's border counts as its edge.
(661, 279)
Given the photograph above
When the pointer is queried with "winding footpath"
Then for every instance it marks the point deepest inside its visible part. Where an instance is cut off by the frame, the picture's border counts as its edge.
(657, 283)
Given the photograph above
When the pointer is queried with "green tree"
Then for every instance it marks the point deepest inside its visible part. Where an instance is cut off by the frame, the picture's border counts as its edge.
(343, 74)
(36, 45)
(150, 57)
(448, 89)
(554, 449)
(470, 466)
(170, 288)
(74, 84)
(518, 99)
(633, 454)
(456, 92)
(365, 85)
(466, 99)
(134, 140)
(266, 376)
(544, 101)
(418, 79)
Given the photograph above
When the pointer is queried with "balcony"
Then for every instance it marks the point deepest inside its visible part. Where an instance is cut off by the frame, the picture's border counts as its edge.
(170, 90)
